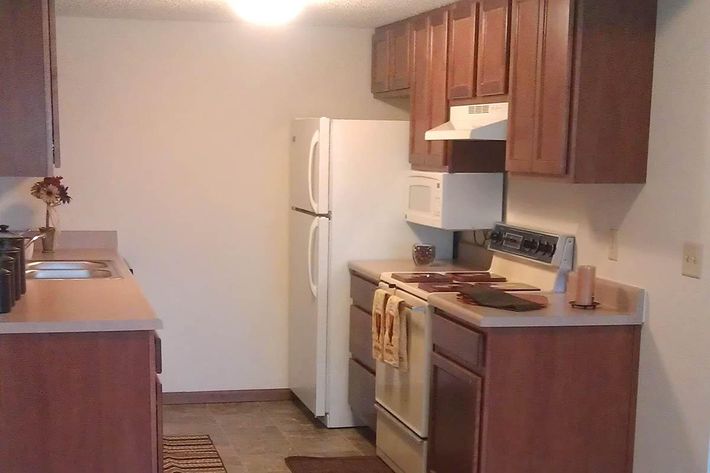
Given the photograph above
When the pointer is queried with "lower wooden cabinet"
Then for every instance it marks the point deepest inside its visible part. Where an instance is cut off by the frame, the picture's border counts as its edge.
(532, 399)
(361, 371)
(80, 402)
(361, 394)
(455, 417)
(159, 423)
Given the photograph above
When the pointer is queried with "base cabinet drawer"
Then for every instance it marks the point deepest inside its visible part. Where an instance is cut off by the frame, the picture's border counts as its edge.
(361, 394)
(399, 447)
(362, 292)
(458, 342)
(361, 337)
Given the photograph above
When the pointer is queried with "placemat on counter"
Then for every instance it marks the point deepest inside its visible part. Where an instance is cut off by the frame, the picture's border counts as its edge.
(487, 297)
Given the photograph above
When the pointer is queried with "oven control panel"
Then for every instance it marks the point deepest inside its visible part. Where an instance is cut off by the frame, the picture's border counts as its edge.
(546, 248)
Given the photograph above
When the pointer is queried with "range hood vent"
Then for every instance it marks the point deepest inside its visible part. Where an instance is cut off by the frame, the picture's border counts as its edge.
(487, 122)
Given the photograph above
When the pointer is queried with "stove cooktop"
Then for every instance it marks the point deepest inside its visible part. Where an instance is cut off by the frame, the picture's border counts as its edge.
(458, 286)
(422, 277)
(464, 276)
(477, 277)
(433, 282)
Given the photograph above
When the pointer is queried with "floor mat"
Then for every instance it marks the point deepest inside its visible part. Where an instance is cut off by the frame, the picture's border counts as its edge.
(337, 465)
(191, 453)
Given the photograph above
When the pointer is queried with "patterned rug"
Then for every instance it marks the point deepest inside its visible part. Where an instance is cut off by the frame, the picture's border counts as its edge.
(191, 453)
(337, 465)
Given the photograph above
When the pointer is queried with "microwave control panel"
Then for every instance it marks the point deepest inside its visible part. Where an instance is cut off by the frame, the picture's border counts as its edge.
(546, 248)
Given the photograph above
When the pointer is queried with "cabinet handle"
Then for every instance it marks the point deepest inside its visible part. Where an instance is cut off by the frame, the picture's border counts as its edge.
(158, 354)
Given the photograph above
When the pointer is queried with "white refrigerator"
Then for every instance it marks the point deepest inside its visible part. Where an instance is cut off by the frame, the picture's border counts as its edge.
(348, 191)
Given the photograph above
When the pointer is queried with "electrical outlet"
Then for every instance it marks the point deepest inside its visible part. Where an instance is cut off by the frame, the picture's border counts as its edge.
(692, 260)
(614, 244)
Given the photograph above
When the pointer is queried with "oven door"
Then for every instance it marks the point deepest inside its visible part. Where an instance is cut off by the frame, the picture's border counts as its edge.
(424, 203)
(405, 394)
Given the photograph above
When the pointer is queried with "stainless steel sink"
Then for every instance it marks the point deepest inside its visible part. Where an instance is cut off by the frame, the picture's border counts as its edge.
(58, 270)
(66, 265)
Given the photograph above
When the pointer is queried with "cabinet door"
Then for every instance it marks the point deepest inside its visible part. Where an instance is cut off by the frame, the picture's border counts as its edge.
(493, 50)
(361, 393)
(439, 26)
(553, 89)
(380, 61)
(455, 411)
(525, 58)
(28, 111)
(400, 70)
(540, 87)
(420, 93)
(159, 423)
(463, 26)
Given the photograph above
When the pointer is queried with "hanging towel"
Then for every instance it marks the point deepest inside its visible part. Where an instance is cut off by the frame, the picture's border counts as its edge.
(378, 323)
(395, 340)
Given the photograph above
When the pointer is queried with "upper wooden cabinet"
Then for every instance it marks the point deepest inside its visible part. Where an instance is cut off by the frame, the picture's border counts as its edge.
(429, 104)
(479, 38)
(463, 29)
(391, 58)
(380, 61)
(493, 48)
(29, 134)
(581, 79)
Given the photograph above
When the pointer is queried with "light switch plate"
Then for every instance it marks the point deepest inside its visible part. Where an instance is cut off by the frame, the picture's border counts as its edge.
(693, 260)
(614, 244)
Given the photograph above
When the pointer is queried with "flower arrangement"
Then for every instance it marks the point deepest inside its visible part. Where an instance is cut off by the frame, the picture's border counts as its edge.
(53, 193)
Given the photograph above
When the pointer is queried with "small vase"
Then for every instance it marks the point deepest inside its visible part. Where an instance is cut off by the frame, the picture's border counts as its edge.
(423, 255)
(48, 240)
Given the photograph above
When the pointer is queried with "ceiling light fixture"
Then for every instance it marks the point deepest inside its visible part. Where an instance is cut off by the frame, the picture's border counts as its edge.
(268, 12)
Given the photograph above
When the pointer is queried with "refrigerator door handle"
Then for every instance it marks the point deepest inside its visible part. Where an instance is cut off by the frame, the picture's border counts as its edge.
(311, 238)
(311, 159)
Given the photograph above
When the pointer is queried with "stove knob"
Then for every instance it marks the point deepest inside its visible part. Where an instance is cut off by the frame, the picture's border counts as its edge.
(530, 245)
(544, 248)
(496, 237)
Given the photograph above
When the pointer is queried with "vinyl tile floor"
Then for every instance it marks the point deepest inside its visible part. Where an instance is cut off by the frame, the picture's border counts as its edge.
(255, 437)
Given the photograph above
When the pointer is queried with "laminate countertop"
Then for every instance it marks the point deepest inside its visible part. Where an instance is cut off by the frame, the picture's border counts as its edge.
(91, 305)
(619, 305)
(372, 269)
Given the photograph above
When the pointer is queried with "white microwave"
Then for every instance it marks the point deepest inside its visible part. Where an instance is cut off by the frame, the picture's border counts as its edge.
(465, 201)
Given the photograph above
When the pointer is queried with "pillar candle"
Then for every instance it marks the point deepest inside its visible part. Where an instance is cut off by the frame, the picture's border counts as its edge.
(586, 279)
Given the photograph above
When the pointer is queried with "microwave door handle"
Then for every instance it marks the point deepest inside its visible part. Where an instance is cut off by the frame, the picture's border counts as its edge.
(311, 239)
(311, 159)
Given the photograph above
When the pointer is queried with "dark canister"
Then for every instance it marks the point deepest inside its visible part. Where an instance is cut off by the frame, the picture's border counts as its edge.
(7, 263)
(18, 272)
(9, 239)
(7, 297)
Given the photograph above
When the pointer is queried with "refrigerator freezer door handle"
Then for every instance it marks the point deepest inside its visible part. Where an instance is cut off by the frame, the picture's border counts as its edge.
(311, 158)
(311, 239)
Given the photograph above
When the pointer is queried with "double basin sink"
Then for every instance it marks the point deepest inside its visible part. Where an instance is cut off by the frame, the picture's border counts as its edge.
(58, 270)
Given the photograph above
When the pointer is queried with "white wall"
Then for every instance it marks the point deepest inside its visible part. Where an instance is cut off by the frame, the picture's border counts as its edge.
(654, 221)
(176, 134)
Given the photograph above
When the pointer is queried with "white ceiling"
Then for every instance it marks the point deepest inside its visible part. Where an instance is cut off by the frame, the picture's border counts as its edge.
(357, 13)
